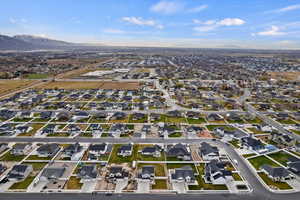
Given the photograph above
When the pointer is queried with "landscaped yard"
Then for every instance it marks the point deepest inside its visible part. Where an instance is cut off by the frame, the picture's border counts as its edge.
(271, 183)
(36, 157)
(257, 162)
(10, 157)
(176, 134)
(236, 177)
(282, 157)
(35, 128)
(73, 183)
(226, 127)
(175, 119)
(196, 121)
(114, 158)
(202, 185)
(160, 184)
(22, 185)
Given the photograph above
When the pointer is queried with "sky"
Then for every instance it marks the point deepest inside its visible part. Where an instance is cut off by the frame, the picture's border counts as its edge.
(261, 24)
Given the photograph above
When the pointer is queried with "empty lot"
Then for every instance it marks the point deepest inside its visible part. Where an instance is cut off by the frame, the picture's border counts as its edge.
(90, 85)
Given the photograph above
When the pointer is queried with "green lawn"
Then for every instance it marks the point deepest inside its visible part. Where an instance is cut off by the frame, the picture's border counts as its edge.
(296, 132)
(36, 157)
(202, 184)
(35, 128)
(226, 127)
(257, 162)
(270, 182)
(196, 121)
(160, 184)
(256, 120)
(281, 157)
(255, 130)
(73, 183)
(249, 155)
(37, 166)
(176, 134)
(175, 119)
(236, 177)
(22, 185)
(37, 76)
(114, 158)
(235, 143)
(10, 157)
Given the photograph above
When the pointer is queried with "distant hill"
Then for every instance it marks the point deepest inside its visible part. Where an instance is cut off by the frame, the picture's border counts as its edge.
(11, 43)
(42, 41)
(29, 42)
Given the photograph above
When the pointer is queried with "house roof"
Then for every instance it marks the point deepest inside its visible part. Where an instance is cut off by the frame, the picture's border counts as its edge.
(275, 171)
(53, 173)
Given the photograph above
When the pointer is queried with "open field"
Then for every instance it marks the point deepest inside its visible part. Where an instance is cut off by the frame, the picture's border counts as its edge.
(7, 86)
(90, 85)
(285, 75)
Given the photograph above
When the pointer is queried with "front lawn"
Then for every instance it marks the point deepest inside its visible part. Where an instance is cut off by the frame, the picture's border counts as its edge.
(73, 183)
(282, 157)
(271, 183)
(10, 157)
(114, 158)
(257, 162)
(196, 121)
(160, 184)
(22, 185)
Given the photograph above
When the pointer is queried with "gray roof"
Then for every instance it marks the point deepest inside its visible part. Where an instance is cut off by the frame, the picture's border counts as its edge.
(275, 172)
(53, 173)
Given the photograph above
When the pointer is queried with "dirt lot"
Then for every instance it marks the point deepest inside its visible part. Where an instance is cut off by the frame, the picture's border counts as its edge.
(7, 86)
(90, 85)
(285, 75)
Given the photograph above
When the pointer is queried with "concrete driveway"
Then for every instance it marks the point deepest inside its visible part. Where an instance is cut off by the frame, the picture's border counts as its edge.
(89, 186)
(143, 186)
(179, 187)
(120, 185)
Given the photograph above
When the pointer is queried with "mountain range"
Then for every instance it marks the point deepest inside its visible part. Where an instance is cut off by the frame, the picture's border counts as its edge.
(29, 42)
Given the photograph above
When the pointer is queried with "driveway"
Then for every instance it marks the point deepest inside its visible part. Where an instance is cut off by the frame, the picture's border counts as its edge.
(120, 185)
(89, 186)
(143, 186)
(179, 187)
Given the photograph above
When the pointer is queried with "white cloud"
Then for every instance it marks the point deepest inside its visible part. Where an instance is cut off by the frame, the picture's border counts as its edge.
(211, 25)
(208, 22)
(231, 22)
(167, 7)
(142, 22)
(274, 31)
(17, 21)
(113, 31)
(198, 9)
(286, 9)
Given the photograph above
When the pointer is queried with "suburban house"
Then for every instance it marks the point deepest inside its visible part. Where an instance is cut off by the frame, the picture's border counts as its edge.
(184, 174)
(283, 139)
(116, 130)
(179, 151)
(3, 147)
(214, 117)
(3, 168)
(125, 150)
(88, 172)
(52, 173)
(117, 172)
(21, 149)
(251, 143)
(215, 173)
(48, 150)
(147, 173)
(19, 172)
(208, 152)
(96, 150)
(277, 174)
(154, 151)
(71, 150)
(294, 167)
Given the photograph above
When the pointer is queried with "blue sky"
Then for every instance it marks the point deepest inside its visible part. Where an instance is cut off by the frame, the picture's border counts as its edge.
(171, 23)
